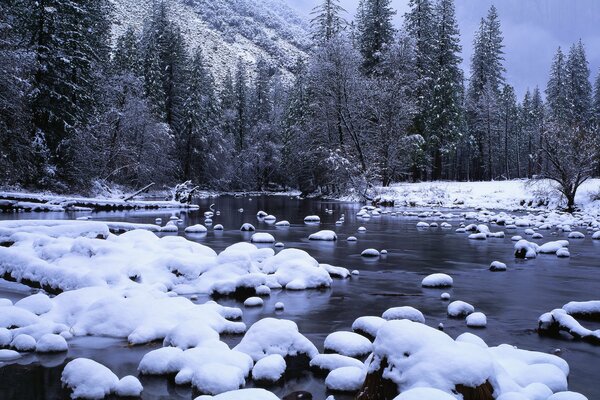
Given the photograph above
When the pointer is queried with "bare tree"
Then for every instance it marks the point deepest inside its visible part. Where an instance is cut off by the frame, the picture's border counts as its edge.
(572, 158)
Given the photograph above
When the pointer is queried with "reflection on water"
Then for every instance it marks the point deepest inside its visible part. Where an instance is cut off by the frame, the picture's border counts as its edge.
(512, 301)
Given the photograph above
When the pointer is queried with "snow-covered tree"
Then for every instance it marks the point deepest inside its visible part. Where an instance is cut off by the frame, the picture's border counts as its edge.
(578, 86)
(556, 90)
(327, 21)
(375, 31)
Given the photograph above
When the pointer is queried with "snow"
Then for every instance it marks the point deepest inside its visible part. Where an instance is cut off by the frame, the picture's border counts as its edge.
(312, 219)
(38, 303)
(9, 355)
(459, 308)
(336, 272)
(362, 229)
(422, 357)
(424, 394)
(525, 249)
(275, 336)
(347, 344)
(477, 320)
(51, 343)
(215, 378)
(218, 227)
(279, 306)
(404, 312)
(553, 247)
(270, 218)
(368, 324)
(497, 266)
(128, 386)
(576, 235)
(326, 235)
(23, 342)
(567, 396)
(351, 239)
(198, 228)
(370, 253)
(189, 334)
(345, 379)
(583, 308)
(253, 302)
(247, 227)
(270, 368)
(262, 237)
(89, 379)
(596, 235)
(282, 223)
(5, 337)
(437, 281)
(329, 362)
(245, 394)
(422, 225)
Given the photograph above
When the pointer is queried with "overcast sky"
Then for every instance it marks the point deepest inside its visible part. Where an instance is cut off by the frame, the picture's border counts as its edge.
(533, 30)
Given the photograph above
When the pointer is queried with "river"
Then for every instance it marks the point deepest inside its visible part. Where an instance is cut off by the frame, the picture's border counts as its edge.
(512, 300)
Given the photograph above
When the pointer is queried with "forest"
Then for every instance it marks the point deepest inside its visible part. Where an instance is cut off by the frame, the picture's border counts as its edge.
(371, 104)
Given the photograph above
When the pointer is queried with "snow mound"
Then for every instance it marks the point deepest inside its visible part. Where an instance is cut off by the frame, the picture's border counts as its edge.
(247, 227)
(245, 394)
(88, 379)
(424, 394)
(348, 344)
(51, 343)
(282, 223)
(23, 342)
(270, 368)
(413, 355)
(312, 219)
(477, 320)
(128, 386)
(345, 379)
(329, 362)
(325, 235)
(198, 228)
(437, 281)
(576, 235)
(459, 309)
(336, 272)
(262, 237)
(405, 312)
(496, 266)
(368, 325)
(253, 302)
(275, 336)
(370, 253)
(526, 249)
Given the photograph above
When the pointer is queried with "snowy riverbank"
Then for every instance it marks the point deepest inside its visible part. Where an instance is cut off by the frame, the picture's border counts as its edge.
(499, 195)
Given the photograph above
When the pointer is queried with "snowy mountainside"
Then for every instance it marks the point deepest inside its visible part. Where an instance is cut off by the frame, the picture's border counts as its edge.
(228, 29)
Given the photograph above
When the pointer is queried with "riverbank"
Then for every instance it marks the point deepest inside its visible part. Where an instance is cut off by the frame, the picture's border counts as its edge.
(512, 195)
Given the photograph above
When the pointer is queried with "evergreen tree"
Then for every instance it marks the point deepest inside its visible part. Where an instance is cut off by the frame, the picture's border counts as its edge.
(240, 105)
(127, 54)
(508, 117)
(445, 118)
(375, 31)
(596, 102)
(556, 90)
(578, 86)
(70, 41)
(487, 76)
(327, 21)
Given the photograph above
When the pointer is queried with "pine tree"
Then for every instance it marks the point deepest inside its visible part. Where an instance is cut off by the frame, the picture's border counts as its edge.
(261, 99)
(596, 102)
(70, 40)
(127, 54)
(556, 90)
(327, 21)
(445, 118)
(375, 31)
(240, 105)
(487, 76)
(578, 86)
(508, 117)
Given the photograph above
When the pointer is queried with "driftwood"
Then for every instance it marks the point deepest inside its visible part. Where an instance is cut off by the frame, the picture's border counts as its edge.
(142, 190)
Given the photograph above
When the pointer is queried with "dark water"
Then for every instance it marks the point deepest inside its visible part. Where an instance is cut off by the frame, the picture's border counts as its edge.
(512, 301)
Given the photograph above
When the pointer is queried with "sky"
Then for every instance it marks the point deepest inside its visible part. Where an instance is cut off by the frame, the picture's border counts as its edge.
(532, 29)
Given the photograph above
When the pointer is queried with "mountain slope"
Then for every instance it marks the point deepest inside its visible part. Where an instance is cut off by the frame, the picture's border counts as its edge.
(228, 29)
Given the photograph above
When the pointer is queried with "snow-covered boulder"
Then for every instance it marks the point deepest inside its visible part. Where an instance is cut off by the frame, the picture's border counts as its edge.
(329, 362)
(345, 379)
(23, 342)
(51, 343)
(326, 235)
(368, 325)
(312, 219)
(269, 369)
(245, 394)
(404, 312)
(129, 386)
(421, 393)
(275, 336)
(282, 224)
(198, 228)
(262, 237)
(370, 253)
(247, 227)
(576, 235)
(437, 281)
(347, 344)
(526, 249)
(459, 308)
(253, 302)
(497, 266)
(477, 320)
(88, 379)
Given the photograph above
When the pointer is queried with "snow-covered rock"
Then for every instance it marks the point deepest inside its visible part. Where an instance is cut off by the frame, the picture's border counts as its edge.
(312, 219)
(497, 266)
(576, 235)
(129, 386)
(242, 394)
(460, 308)
(275, 336)
(51, 343)
(247, 227)
(477, 320)
(329, 362)
(253, 302)
(421, 393)
(345, 379)
(326, 235)
(198, 228)
(368, 325)
(282, 223)
(370, 253)
(262, 237)
(88, 379)
(437, 281)
(23, 342)
(526, 249)
(347, 344)
(270, 368)
(404, 312)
